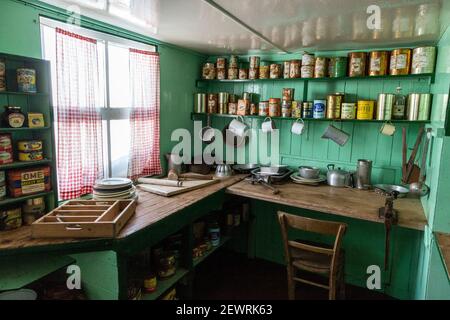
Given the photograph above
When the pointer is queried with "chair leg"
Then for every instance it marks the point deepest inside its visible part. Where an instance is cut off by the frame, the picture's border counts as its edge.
(291, 283)
(342, 283)
(332, 290)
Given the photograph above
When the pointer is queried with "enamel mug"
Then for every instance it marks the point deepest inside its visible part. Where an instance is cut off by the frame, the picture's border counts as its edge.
(388, 129)
(238, 127)
(298, 127)
(267, 126)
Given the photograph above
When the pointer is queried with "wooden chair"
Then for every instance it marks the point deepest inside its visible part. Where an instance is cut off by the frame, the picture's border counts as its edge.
(314, 258)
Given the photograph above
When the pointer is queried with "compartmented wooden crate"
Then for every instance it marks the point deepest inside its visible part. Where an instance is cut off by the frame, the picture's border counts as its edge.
(85, 219)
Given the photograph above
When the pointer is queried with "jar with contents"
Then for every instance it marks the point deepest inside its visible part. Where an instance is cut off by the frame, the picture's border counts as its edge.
(398, 112)
(32, 210)
(13, 117)
(10, 218)
(214, 234)
(166, 265)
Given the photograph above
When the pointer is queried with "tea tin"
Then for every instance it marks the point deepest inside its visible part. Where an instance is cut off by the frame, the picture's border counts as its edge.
(274, 107)
(320, 67)
(307, 59)
(378, 63)
(400, 62)
(221, 63)
(26, 80)
(286, 69)
(307, 110)
(209, 71)
(307, 71)
(288, 94)
(254, 62)
(263, 108)
(423, 60)
(253, 73)
(275, 71)
(296, 109)
(212, 103)
(234, 62)
(334, 102)
(221, 73)
(365, 109)
(348, 111)
(264, 72)
(243, 107)
(295, 69)
(232, 108)
(233, 73)
(319, 109)
(337, 67)
(243, 74)
(357, 64)
(286, 109)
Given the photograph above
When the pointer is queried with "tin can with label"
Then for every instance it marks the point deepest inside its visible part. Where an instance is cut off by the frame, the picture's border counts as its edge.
(253, 73)
(357, 64)
(320, 67)
(2, 76)
(424, 107)
(30, 145)
(286, 69)
(264, 71)
(385, 105)
(221, 73)
(307, 110)
(254, 62)
(223, 97)
(319, 109)
(263, 108)
(307, 59)
(378, 63)
(412, 106)
(365, 110)
(307, 71)
(288, 94)
(274, 107)
(212, 103)
(221, 63)
(348, 111)
(423, 60)
(296, 109)
(247, 96)
(400, 62)
(286, 109)
(243, 74)
(209, 71)
(233, 73)
(275, 71)
(234, 62)
(243, 107)
(295, 69)
(334, 102)
(232, 108)
(26, 80)
(253, 109)
(337, 67)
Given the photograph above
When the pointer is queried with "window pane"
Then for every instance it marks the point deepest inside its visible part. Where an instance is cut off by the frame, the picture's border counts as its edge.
(119, 76)
(120, 145)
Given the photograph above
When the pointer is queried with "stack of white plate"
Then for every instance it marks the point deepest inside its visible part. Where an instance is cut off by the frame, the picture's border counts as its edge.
(114, 189)
(296, 178)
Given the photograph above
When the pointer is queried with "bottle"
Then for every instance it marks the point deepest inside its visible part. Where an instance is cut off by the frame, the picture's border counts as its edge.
(398, 113)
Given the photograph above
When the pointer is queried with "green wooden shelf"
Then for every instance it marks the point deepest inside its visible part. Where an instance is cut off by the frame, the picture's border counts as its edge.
(8, 201)
(16, 93)
(218, 115)
(24, 164)
(23, 129)
(199, 260)
(428, 76)
(165, 284)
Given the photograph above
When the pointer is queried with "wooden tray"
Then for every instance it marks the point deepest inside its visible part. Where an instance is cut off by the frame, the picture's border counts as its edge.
(85, 219)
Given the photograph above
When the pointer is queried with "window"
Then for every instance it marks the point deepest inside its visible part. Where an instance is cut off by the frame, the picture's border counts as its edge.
(113, 91)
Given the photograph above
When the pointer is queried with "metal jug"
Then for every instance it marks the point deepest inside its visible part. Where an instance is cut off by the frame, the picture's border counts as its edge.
(363, 174)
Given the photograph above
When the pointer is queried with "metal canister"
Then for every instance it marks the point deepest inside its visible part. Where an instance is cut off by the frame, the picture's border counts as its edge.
(412, 106)
(209, 71)
(234, 62)
(307, 110)
(295, 69)
(365, 110)
(247, 96)
(286, 69)
(232, 107)
(423, 60)
(233, 73)
(378, 63)
(243, 107)
(334, 102)
(288, 94)
(274, 107)
(337, 67)
(385, 105)
(286, 109)
(200, 103)
(320, 67)
(221, 73)
(253, 73)
(2, 76)
(424, 107)
(296, 109)
(223, 97)
(357, 64)
(26, 80)
(221, 63)
(275, 71)
(307, 59)
(263, 108)
(307, 71)
(254, 62)
(212, 103)
(319, 109)
(264, 70)
(348, 111)
(243, 74)
(253, 109)
(400, 62)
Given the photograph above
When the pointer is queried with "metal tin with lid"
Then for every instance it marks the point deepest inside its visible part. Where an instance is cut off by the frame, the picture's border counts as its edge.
(295, 69)
(286, 108)
(357, 64)
(319, 109)
(337, 67)
(334, 102)
(412, 106)
(200, 102)
(254, 62)
(348, 110)
(221, 63)
(234, 62)
(233, 73)
(320, 67)
(263, 108)
(275, 71)
(400, 62)
(365, 109)
(274, 107)
(385, 105)
(221, 73)
(288, 94)
(307, 110)
(423, 60)
(209, 71)
(307, 59)
(286, 69)
(26, 80)
(378, 63)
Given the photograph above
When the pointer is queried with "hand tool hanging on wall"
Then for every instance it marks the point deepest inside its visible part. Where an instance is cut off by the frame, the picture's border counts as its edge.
(411, 171)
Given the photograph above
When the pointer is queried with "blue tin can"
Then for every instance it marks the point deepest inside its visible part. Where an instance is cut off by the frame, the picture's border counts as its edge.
(26, 80)
(319, 109)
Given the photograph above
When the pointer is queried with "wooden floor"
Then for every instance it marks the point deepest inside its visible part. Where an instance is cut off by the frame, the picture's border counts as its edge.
(230, 276)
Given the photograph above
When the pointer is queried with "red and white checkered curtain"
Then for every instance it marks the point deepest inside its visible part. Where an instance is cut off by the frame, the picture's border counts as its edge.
(144, 118)
(79, 123)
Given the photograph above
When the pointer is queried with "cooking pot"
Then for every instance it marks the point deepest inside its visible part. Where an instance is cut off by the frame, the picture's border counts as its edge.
(338, 177)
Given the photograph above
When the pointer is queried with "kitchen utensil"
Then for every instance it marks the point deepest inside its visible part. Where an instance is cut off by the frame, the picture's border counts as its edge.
(388, 129)
(174, 162)
(272, 178)
(238, 126)
(389, 188)
(307, 172)
(404, 153)
(412, 170)
(207, 133)
(338, 177)
(245, 168)
(363, 174)
(233, 140)
(273, 170)
(167, 191)
(298, 127)
(223, 170)
(268, 126)
(195, 176)
(161, 182)
(265, 184)
(420, 188)
(296, 178)
(199, 167)
(336, 135)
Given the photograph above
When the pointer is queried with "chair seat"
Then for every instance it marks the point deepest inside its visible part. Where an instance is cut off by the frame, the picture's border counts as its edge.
(311, 261)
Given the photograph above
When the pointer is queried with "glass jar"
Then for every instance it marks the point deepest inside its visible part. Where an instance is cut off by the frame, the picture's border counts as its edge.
(13, 117)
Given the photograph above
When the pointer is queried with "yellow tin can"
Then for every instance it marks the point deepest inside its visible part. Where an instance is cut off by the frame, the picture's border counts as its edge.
(29, 145)
(365, 110)
(31, 156)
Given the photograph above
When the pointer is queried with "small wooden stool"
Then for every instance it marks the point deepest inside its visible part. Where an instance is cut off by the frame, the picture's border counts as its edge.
(313, 258)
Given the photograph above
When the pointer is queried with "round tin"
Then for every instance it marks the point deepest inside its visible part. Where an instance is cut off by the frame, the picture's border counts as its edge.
(253, 109)
(296, 109)
(253, 73)
(263, 108)
(247, 96)
(337, 67)
(320, 67)
(254, 62)
(29, 145)
(307, 59)
(286, 69)
(307, 71)
(412, 106)
(212, 103)
(286, 109)
(275, 71)
(357, 64)
(365, 109)
(334, 102)
(348, 111)
(288, 94)
(307, 110)
(243, 74)
(274, 107)
(26, 80)
(385, 105)
(423, 60)
(232, 108)
(31, 156)
(223, 97)
(234, 62)
(424, 107)
(264, 72)
(221, 73)
(221, 63)
(378, 63)
(295, 69)
(400, 62)
(319, 109)
(233, 73)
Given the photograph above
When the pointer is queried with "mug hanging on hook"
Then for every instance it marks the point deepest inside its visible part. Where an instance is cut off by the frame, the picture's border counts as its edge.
(268, 126)
(238, 126)
(388, 129)
(298, 127)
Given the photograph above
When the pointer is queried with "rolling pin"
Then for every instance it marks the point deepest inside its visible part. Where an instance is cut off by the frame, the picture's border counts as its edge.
(161, 182)
(195, 176)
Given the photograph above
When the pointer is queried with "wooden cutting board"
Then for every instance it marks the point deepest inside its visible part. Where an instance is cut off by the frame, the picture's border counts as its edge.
(168, 191)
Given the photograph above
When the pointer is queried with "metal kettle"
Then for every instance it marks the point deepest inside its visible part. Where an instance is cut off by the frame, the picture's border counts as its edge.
(338, 177)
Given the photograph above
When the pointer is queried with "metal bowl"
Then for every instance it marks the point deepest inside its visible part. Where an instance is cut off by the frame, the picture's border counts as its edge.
(309, 172)
(245, 168)
(402, 191)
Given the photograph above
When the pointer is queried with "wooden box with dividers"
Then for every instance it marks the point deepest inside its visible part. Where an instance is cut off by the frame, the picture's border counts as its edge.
(85, 219)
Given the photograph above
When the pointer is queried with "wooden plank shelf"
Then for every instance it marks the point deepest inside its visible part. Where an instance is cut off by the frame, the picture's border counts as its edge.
(223, 240)
(24, 164)
(8, 201)
(23, 129)
(165, 284)
(16, 93)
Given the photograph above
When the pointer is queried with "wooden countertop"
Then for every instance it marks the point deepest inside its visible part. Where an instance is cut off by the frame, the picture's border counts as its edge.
(353, 203)
(151, 209)
(443, 242)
